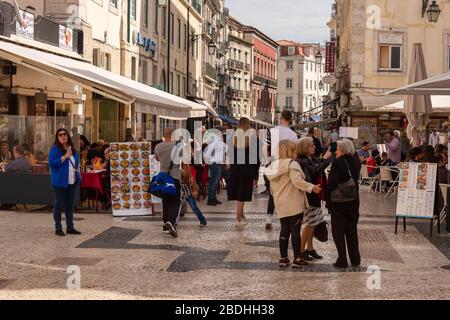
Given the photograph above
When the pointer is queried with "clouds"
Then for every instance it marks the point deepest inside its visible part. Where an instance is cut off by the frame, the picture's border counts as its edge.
(298, 20)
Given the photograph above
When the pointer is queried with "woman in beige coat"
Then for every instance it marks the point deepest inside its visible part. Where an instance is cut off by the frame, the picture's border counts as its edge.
(288, 187)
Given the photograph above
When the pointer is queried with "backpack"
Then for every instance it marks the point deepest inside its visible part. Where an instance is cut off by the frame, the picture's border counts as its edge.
(163, 185)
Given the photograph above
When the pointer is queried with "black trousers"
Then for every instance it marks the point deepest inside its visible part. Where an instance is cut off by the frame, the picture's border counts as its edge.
(345, 234)
(271, 203)
(290, 227)
(172, 206)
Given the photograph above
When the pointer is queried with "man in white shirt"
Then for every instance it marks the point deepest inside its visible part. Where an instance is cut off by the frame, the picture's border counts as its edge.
(273, 138)
(434, 139)
(214, 155)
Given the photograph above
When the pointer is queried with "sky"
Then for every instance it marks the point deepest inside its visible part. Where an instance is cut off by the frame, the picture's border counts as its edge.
(297, 20)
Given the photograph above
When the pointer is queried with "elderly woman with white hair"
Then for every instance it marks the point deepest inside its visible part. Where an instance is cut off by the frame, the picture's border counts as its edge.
(342, 195)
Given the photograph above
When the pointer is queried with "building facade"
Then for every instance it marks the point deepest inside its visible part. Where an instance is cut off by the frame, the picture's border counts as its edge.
(240, 72)
(264, 74)
(373, 55)
(300, 86)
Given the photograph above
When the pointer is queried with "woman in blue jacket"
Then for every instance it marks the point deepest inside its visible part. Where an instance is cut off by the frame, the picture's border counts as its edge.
(63, 161)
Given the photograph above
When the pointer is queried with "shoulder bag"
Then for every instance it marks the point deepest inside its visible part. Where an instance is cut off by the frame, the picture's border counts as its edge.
(345, 191)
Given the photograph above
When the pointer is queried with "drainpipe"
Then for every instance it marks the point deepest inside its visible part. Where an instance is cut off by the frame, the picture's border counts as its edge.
(129, 21)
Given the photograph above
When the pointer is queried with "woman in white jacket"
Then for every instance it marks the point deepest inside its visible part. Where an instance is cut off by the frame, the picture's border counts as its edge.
(288, 187)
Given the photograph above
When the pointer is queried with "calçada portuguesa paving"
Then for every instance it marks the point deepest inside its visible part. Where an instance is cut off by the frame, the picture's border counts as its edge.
(131, 258)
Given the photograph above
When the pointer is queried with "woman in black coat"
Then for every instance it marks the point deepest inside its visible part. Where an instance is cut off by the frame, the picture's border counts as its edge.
(314, 170)
(244, 168)
(344, 216)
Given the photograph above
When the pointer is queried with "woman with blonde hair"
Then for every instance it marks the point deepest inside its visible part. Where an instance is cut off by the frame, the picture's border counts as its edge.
(244, 168)
(289, 187)
(314, 170)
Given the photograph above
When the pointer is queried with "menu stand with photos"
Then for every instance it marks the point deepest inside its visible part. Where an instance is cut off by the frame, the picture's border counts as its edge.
(130, 179)
(416, 193)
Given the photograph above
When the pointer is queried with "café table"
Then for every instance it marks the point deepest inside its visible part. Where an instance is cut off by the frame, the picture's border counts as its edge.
(92, 180)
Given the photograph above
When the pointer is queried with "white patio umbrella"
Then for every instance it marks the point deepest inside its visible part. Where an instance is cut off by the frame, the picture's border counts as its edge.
(417, 107)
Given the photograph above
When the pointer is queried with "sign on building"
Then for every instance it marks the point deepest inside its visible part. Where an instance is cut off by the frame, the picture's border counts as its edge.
(27, 30)
(65, 38)
(330, 57)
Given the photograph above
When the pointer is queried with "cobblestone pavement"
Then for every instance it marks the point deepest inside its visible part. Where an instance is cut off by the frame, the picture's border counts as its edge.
(130, 258)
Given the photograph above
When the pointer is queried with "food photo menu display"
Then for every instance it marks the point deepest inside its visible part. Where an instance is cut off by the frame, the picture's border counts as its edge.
(130, 179)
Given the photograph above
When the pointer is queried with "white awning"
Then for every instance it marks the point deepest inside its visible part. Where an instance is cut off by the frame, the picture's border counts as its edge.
(262, 123)
(106, 83)
(440, 104)
(207, 105)
(438, 85)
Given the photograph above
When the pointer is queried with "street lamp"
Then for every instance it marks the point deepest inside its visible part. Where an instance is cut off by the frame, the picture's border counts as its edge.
(212, 48)
(318, 55)
(433, 12)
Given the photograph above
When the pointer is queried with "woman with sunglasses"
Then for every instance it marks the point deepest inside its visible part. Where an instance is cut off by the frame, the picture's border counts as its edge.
(63, 161)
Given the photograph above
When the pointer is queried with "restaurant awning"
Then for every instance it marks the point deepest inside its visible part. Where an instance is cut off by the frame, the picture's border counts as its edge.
(103, 82)
(440, 104)
(262, 123)
(438, 85)
(230, 120)
(205, 103)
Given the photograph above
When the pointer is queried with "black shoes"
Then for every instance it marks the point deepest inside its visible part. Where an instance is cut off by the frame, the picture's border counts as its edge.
(172, 231)
(218, 202)
(60, 233)
(300, 263)
(73, 232)
(340, 266)
(284, 262)
(314, 254)
(211, 204)
(305, 256)
(203, 223)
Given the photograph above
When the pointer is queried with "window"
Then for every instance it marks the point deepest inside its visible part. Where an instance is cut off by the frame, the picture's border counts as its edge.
(133, 9)
(164, 28)
(155, 75)
(145, 13)
(246, 57)
(291, 51)
(185, 38)
(171, 83)
(179, 85)
(172, 28)
(113, 3)
(289, 103)
(133, 68)
(184, 87)
(179, 33)
(390, 57)
(108, 61)
(156, 10)
(289, 65)
(289, 83)
(144, 72)
(307, 84)
(95, 57)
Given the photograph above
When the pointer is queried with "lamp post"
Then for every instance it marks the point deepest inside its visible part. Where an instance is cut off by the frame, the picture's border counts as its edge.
(318, 55)
(167, 4)
(433, 12)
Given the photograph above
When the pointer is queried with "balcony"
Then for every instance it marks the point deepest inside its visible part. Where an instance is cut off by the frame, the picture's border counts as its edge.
(248, 95)
(236, 65)
(209, 71)
(209, 30)
(248, 67)
(234, 94)
(262, 80)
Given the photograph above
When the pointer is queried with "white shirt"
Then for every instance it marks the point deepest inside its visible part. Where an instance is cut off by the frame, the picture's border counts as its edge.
(215, 151)
(71, 170)
(434, 140)
(278, 134)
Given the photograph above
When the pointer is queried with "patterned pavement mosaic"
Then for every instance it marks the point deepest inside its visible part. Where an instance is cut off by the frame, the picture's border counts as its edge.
(131, 258)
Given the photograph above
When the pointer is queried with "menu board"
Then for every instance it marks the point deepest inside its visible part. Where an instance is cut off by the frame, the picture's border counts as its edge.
(154, 170)
(130, 179)
(416, 190)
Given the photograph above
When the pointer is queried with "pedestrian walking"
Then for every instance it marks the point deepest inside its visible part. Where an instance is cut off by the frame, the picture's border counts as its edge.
(189, 191)
(244, 168)
(168, 155)
(394, 148)
(289, 187)
(215, 159)
(63, 160)
(273, 138)
(314, 170)
(342, 195)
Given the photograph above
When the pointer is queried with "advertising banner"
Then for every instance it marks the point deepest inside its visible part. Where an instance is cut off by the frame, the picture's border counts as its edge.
(330, 57)
(416, 190)
(130, 179)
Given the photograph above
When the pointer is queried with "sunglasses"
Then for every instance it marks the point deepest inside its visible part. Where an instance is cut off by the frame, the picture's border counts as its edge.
(62, 134)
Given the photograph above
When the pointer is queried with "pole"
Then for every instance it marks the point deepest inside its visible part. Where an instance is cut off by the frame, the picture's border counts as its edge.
(188, 44)
(169, 35)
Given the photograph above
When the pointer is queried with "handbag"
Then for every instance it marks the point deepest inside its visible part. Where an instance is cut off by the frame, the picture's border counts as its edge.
(345, 191)
(321, 232)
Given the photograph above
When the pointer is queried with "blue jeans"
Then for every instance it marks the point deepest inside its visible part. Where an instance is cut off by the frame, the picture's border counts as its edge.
(64, 198)
(193, 204)
(215, 172)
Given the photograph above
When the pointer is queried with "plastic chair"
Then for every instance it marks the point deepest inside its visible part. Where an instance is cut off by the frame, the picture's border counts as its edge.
(365, 176)
(386, 176)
